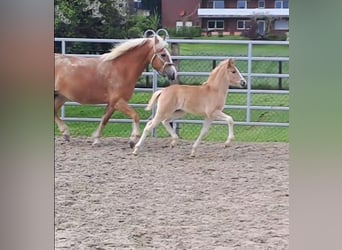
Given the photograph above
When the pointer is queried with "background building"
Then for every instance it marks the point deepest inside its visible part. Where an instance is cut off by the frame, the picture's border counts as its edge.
(231, 17)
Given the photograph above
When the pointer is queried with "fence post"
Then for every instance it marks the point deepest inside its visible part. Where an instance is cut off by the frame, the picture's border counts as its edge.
(154, 89)
(147, 77)
(63, 106)
(214, 64)
(249, 83)
(280, 71)
(175, 52)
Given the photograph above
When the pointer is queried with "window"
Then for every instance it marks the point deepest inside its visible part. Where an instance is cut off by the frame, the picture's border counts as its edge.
(188, 23)
(281, 4)
(243, 24)
(179, 25)
(218, 4)
(261, 4)
(281, 24)
(241, 4)
(215, 24)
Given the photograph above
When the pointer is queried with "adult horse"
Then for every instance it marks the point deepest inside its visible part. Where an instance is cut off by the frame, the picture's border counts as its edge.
(109, 79)
(207, 100)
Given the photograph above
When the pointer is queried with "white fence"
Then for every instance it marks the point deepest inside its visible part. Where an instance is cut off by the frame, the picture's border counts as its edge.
(249, 75)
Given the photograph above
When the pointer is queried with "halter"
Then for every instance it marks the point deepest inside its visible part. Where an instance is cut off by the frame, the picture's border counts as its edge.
(157, 55)
(161, 71)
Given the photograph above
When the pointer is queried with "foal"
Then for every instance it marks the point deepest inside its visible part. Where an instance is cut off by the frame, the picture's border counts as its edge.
(207, 100)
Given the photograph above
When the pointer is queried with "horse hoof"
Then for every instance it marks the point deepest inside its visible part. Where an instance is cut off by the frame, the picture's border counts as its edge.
(66, 137)
(131, 144)
(96, 143)
(135, 153)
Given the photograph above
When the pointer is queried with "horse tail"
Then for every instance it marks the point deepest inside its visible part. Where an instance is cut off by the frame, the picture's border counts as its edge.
(153, 99)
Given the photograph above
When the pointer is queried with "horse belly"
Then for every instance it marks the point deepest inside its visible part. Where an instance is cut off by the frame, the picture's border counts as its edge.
(85, 88)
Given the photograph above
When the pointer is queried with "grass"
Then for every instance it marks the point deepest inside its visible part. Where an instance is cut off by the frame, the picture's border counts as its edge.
(191, 131)
(216, 132)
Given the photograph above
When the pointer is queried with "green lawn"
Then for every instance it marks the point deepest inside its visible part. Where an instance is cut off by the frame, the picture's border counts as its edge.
(191, 131)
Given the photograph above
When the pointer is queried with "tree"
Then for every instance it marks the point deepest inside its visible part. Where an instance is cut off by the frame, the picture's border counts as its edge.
(88, 19)
(137, 25)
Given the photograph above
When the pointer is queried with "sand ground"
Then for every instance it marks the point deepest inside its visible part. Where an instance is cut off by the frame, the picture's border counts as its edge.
(233, 198)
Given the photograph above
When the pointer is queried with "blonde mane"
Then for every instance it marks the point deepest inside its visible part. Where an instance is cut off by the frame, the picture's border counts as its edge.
(215, 71)
(131, 44)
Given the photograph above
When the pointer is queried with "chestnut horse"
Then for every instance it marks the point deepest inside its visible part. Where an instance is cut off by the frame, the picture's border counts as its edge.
(109, 79)
(207, 100)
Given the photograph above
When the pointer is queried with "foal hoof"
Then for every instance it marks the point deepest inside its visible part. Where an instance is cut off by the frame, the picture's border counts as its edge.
(228, 142)
(96, 143)
(135, 152)
(66, 137)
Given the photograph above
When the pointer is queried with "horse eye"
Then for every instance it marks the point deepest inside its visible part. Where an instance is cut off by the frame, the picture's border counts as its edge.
(234, 71)
(163, 55)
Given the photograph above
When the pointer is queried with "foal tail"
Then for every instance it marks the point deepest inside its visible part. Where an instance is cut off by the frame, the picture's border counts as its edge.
(153, 99)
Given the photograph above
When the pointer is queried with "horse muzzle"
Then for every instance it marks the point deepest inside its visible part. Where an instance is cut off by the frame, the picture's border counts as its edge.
(243, 83)
(171, 72)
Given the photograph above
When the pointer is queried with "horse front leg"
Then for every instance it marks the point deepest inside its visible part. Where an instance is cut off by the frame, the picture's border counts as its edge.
(219, 115)
(104, 120)
(147, 130)
(126, 109)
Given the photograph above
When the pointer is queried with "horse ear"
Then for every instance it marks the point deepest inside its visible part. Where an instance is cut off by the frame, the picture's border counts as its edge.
(156, 39)
(231, 62)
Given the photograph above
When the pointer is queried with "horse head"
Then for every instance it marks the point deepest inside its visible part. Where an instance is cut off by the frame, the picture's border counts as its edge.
(161, 59)
(235, 77)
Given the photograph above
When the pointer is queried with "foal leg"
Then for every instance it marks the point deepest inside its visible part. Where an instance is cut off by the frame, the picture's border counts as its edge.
(59, 101)
(149, 126)
(126, 109)
(108, 113)
(166, 123)
(219, 115)
(204, 130)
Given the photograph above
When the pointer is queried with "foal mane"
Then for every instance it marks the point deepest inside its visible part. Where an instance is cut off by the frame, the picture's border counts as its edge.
(216, 71)
(128, 45)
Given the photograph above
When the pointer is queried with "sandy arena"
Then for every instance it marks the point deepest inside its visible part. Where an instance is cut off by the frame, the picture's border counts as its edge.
(225, 198)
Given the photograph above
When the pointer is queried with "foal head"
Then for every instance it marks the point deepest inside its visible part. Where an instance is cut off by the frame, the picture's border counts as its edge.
(161, 59)
(233, 74)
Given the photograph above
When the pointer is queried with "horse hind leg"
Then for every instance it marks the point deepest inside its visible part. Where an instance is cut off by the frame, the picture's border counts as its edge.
(59, 101)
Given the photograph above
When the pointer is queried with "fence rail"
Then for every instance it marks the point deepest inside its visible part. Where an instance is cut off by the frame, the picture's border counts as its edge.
(249, 92)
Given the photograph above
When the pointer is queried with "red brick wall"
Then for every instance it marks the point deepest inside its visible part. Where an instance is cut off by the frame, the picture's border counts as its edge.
(172, 10)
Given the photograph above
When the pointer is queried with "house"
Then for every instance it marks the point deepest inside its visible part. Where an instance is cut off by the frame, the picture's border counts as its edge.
(231, 17)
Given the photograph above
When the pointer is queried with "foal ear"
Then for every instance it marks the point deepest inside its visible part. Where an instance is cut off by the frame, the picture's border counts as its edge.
(231, 63)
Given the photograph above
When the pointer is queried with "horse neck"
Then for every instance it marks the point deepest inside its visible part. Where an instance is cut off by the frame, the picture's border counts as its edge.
(218, 81)
(139, 58)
